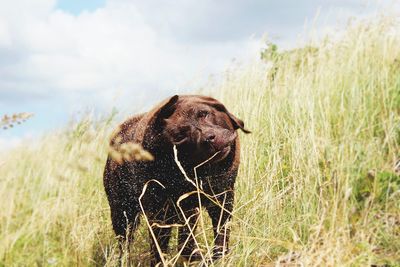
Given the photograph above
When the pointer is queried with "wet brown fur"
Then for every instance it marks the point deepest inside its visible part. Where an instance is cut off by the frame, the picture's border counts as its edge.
(124, 181)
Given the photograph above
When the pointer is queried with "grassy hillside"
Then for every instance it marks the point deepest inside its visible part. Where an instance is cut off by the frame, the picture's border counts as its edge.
(317, 184)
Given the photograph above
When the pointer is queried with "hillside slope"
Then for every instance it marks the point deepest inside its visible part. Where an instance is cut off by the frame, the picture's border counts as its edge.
(317, 184)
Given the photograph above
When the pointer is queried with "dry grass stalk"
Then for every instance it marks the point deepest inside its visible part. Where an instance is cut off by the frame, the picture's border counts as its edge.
(8, 121)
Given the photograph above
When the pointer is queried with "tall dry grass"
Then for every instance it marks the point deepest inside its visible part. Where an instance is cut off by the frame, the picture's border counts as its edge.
(316, 185)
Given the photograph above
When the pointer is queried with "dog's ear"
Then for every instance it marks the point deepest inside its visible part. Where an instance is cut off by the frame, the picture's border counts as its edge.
(153, 121)
(168, 108)
(237, 123)
(164, 111)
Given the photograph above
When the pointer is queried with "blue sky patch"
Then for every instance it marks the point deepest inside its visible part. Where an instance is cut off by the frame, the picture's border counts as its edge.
(77, 6)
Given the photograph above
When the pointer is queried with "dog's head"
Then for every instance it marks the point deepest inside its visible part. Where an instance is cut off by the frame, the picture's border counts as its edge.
(199, 126)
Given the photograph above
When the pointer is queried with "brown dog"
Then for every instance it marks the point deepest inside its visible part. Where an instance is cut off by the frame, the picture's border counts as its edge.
(200, 127)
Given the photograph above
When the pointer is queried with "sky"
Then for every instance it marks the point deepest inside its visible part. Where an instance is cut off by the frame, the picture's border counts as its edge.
(62, 57)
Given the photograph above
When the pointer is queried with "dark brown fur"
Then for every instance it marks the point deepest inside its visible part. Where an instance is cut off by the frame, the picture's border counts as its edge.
(199, 126)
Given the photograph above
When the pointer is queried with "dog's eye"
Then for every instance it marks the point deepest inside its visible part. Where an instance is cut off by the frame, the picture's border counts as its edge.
(202, 114)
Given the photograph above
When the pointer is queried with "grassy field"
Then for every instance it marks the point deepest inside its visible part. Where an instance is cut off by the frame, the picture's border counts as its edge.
(317, 184)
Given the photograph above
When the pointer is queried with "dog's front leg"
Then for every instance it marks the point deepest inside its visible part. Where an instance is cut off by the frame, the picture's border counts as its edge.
(220, 215)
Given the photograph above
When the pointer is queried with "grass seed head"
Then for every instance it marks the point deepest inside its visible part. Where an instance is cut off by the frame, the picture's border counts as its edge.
(130, 152)
(8, 121)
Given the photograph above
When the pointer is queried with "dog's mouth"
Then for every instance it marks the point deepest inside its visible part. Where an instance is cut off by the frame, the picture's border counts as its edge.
(209, 153)
(198, 147)
(219, 151)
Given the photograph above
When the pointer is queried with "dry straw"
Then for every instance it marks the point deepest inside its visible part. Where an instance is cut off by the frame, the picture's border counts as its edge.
(8, 121)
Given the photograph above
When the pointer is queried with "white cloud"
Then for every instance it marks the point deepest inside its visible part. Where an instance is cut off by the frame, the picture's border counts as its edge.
(9, 143)
(138, 49)
(5, 39)
(95, 54)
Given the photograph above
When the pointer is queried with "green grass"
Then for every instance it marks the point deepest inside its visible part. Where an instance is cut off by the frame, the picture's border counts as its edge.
(316, 186)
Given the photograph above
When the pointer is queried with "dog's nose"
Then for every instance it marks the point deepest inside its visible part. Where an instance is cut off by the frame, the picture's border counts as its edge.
(210, 138)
